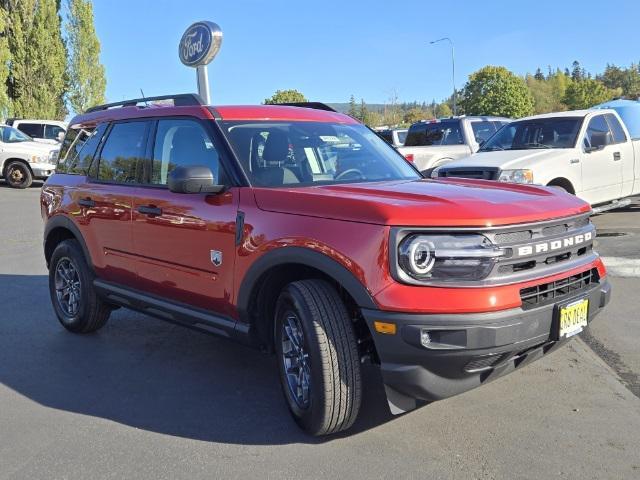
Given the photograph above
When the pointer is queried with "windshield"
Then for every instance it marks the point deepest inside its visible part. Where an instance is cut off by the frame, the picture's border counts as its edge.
(276, 154)
(13, 135)
(560, 132)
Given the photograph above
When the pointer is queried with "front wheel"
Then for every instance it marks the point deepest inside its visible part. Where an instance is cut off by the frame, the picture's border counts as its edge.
(18, 175)
(317, 357)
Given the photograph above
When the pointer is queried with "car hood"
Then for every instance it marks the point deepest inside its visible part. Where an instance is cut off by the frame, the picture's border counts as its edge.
(505, 159)
(442, 202)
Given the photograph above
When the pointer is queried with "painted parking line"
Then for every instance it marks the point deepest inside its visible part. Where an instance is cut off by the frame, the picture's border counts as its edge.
(622, 267)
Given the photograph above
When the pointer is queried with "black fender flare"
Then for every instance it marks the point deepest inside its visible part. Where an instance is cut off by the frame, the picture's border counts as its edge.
(59, 221)
(307, 257)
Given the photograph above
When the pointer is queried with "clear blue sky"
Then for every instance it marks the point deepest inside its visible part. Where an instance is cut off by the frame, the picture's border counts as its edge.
(332, 49)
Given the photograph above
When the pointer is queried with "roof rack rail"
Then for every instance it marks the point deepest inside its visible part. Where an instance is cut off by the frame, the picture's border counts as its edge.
(179, 100)
(314, 105)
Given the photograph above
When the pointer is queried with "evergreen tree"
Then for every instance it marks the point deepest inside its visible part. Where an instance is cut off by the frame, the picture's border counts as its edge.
(37, 73)
(539, 75)
(353, 109)
(5, 104)
(364, 111)
(577, 72)
(87, 82)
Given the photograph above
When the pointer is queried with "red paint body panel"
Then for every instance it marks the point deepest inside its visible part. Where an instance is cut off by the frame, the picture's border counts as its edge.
(275, 112)
(424, 203)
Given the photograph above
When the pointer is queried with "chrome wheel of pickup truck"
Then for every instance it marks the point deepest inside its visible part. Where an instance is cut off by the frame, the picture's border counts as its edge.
(318, 357)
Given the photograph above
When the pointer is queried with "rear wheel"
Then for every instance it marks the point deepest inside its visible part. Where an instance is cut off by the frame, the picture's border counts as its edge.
(317, 357)
(18, 175)
(74, 299)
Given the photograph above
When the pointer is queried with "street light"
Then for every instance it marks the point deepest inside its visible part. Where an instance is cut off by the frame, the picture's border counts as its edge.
(453, 70)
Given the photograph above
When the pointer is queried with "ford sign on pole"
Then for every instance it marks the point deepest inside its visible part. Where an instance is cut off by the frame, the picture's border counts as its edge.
(199, 44)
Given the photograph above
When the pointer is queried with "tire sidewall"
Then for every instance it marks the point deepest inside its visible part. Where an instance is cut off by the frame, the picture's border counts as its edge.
(291, 300)
(27, 180)
(68, 250)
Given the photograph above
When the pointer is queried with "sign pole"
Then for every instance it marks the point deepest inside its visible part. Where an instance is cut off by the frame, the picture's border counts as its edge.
(203, 83)
(199, 44)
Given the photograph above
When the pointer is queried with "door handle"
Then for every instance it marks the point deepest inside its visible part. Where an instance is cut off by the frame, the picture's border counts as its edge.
(150, 210)
(86, 202)
(616, 156)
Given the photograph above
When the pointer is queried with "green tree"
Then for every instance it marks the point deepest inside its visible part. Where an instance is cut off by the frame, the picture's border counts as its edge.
(443, 110)
(285, 96)
(539, 75)
(353, 109)
(363, 112)
(625, 79)
(5, 104)
(87, 82)
(37, 71)
(541, 91)
(496, 91)
(587, 93)
(414, 115)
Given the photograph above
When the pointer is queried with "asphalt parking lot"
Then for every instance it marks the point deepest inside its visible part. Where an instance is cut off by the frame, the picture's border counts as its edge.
(145, 399)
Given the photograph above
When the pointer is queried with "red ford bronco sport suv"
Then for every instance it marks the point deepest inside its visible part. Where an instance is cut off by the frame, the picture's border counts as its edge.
(300, 231)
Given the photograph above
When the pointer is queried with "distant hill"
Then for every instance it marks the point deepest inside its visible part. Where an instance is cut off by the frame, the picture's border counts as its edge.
(344, 107)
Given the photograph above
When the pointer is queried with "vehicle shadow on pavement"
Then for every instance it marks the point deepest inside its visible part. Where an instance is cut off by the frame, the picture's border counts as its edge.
(35, 185)
(151, 375)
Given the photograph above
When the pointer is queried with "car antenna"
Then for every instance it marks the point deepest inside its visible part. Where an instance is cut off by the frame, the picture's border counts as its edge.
(146, 104)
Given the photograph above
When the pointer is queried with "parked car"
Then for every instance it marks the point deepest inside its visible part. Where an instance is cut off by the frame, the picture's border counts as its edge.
(45, 131)
(22, 160)
(588, 153)
(326, 248)
(432, 143)
(393, 136)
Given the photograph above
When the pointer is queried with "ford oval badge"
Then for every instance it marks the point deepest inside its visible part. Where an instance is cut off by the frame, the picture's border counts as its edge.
(200, 43)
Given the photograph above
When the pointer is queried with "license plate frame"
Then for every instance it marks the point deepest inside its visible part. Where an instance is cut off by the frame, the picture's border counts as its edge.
(571, 318)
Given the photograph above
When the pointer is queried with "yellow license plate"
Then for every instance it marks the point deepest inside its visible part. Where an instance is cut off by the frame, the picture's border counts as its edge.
(574, 317)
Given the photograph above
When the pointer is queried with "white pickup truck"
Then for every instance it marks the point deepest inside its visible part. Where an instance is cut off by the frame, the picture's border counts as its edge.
(432, 143)
(588, 153)
(22, 160)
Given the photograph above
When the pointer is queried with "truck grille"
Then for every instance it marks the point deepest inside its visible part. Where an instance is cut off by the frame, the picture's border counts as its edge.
(547, 293)
(480, 174)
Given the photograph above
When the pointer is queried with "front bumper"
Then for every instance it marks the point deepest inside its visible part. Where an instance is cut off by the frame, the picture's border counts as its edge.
(42, 170)
(466, 350)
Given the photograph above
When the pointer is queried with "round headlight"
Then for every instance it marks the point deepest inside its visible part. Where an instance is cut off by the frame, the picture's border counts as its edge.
(421, 254)
(417, 256)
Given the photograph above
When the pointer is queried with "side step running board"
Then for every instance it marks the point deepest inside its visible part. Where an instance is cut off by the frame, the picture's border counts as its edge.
(611, 206)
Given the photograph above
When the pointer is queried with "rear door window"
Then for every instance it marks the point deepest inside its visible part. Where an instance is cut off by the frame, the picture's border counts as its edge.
(616, 129)
(34, 130)
(123, 153)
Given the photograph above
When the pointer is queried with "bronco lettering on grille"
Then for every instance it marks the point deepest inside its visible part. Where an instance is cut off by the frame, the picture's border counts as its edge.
(553, 245)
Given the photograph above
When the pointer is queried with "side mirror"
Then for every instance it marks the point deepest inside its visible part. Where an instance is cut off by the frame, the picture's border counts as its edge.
(60, 137)
(599, 140)
(193, 179)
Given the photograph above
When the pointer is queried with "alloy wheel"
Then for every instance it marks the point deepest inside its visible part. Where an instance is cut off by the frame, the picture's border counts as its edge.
(68, 287)
(296, 360)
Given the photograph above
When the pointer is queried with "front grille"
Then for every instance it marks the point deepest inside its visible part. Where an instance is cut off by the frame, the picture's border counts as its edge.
(547, 293)
(481, 174)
